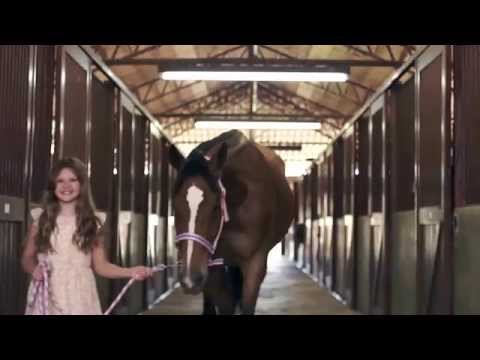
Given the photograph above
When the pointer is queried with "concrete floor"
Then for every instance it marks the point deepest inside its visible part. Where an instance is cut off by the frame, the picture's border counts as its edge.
(286, 290)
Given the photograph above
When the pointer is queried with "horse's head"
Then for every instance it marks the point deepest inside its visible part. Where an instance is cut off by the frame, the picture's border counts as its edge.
(198, 214)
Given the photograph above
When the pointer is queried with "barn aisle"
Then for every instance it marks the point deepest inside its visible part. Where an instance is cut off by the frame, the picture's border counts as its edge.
(285, 291)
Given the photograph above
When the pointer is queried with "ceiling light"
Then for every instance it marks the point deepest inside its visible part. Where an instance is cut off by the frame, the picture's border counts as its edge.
(258, 125)
(296, 168)
(222, 75)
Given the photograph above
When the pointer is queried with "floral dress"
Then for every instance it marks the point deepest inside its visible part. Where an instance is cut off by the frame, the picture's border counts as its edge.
(71, 281)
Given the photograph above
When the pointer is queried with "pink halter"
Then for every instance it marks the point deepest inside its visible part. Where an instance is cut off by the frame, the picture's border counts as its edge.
(200, 239)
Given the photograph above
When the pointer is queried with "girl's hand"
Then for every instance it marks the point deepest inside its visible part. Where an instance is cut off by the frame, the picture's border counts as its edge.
(37, 274)
(141, 272)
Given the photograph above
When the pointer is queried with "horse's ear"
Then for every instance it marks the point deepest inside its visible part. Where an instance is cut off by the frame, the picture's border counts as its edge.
(175, 158)
(217, 157)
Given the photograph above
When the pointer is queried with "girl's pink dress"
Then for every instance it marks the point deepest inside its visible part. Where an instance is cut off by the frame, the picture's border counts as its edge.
(72, 285)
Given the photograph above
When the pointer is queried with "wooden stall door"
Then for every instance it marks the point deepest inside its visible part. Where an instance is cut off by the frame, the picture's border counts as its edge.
(434, 244)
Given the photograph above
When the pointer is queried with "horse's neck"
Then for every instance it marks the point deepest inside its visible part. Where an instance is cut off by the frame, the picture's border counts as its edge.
(272, 158)
(255, 155)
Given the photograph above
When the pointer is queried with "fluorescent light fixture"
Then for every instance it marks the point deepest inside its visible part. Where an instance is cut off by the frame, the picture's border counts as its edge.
(258, 125)
(299, 76)
(296, 168)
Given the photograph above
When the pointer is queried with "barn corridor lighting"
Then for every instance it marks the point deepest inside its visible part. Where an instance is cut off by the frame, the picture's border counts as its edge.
(299, 76)
(258, 125)
(296, 168)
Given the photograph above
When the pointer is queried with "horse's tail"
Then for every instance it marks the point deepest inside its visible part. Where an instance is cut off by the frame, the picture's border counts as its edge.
(236, 280)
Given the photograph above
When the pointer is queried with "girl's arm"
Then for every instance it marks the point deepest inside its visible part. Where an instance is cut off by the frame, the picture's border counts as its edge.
(108, 270)
(29, 260)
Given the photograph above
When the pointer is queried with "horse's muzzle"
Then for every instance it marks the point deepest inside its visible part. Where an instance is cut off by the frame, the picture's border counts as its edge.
(193, 283)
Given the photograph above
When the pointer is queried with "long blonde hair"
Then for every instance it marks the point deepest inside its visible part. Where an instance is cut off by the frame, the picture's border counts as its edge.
(88, 225)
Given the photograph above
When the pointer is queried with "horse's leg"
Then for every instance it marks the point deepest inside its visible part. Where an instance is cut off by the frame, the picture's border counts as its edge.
(295, 251)
(208, 305)
(235, 279)
(253, 274)
(209, 294)
(229, 294)
(224, 302)
(218, 297)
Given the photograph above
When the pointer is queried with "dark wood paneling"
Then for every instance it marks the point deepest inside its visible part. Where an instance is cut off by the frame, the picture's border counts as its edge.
(102, 147)
(156, 154)
(377, 161)
(430, 150)
(42, 137)
(331, 186)
(363, 165)
(307, 220)
(12, 278)
(75, 110)
(338, 178)
(467, 131)
(165, 180)
(314, 184)
(126, 160)
(14, 105)
(349, 174)
(467, 185)
(404, 147)
(141, 147)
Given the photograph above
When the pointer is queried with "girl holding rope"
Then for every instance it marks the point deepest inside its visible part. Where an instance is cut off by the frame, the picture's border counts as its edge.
(64, 246)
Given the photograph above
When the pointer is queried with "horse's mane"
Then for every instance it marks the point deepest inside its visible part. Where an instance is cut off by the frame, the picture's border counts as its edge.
(233, 138)
(196, 164)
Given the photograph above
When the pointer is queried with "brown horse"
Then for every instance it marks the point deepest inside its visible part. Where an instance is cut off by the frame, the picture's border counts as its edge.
(231, 201)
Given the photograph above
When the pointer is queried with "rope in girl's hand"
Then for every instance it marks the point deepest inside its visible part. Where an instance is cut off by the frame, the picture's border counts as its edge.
(160, 267)
(38, 295)
(155, 269)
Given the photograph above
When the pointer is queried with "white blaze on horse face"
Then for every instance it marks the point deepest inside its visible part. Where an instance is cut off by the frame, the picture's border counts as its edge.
(194, 199)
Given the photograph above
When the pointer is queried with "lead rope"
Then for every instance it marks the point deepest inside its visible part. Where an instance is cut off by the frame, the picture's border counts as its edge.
(160, 267)
(38, 294)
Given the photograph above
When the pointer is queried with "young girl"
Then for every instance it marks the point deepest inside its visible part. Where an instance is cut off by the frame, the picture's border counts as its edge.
(67, 234)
